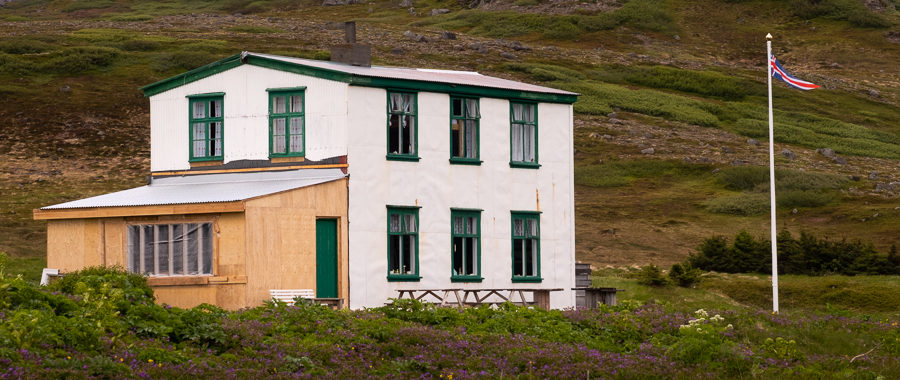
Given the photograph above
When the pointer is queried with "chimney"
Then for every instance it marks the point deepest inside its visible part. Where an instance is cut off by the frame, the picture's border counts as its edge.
(351, 52)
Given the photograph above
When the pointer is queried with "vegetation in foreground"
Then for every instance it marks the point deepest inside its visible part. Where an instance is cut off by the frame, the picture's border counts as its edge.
(103, 323)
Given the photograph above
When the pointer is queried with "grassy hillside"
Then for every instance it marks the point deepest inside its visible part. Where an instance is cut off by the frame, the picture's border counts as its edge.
(685, 78)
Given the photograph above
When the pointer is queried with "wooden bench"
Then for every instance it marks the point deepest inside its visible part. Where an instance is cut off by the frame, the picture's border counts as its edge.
(451, 297)
(289, 295)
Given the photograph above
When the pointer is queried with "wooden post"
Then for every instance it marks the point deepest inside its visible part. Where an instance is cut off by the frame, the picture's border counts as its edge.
(542, 299)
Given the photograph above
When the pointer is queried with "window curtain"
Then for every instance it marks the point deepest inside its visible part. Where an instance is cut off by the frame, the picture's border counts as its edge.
(296, 134)
(396, 102)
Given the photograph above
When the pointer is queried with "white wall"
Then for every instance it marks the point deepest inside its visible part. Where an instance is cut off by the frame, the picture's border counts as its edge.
(246, 124)
(436, 185)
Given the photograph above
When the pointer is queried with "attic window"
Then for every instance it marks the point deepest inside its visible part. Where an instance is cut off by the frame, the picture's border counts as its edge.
(206, 127)
(286, 123)
(402, 136)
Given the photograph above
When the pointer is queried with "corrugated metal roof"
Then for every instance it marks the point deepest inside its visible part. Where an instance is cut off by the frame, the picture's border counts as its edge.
(469, 78)
(208, 188)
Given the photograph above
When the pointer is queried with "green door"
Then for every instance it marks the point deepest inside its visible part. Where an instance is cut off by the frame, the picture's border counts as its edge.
(326, 258)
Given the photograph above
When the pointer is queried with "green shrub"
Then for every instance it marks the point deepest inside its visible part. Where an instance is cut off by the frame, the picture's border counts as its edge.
(88, 4)
(122, 288)
(685, 275)
(651, 275)
(80, 59)
(254, 29)
(746, 204)
(803, 198)
(622, 173)
(706, 83)
(756, 178)
(183, 60)
(130, 17)
(23, 46)
(12, 64)
(864, 18)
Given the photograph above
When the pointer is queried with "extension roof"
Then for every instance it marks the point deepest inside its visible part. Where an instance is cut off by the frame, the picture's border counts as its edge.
(446, 81)
(207, 188)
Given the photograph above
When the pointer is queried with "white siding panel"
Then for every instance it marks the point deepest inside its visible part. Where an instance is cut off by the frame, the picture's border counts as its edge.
(246, 105)
(437, 186)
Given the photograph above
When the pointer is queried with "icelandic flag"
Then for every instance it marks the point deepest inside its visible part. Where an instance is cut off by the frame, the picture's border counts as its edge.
(778, 72)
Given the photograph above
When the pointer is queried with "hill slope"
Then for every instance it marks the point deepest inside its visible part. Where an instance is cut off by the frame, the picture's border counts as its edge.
(685, 78)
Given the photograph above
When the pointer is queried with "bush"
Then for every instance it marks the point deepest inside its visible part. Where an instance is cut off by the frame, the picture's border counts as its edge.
(651, 275)
(699, 82)
(183, 60)
(80, 59)
(808, 255)
(745, 204)
(685, 275)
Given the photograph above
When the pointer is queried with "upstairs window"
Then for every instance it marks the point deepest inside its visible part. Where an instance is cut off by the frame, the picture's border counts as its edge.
(526, 247)
(206, 127)
(403, 243)
(523, 135)
(286, 123)
(465, 247)
(183, 249)
(464, 115)
(402, 136)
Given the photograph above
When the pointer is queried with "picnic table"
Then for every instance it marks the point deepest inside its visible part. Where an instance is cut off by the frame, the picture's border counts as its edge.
(473, 297)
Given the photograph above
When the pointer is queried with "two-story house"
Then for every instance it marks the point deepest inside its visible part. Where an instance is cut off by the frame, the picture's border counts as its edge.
(271, 172)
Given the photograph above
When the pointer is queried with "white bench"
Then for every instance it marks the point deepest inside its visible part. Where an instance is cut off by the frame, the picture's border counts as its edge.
(288, 295)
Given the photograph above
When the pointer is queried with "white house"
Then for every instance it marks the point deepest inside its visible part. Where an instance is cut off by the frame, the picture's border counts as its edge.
(273, 172)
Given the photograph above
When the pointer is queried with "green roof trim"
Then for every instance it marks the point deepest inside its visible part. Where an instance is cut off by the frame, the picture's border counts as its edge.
(352, 79)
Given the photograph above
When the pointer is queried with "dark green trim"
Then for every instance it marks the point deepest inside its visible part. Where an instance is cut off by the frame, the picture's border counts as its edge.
(397, 157)
(466, 279)
(352, 79)
(527, 279)
(206, 95)
(402, 210)
(273, 93)
(524, 165)
(205, 99)
(525, 215)
(286, 89)
(193, 75)
(466, 213)
(414, 155)
(512, 120)
(403, 278)
(465, 161)
(465, 108)
(466, 209)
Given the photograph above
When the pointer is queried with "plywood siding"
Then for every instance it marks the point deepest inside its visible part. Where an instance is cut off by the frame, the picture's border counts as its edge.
(281, 239)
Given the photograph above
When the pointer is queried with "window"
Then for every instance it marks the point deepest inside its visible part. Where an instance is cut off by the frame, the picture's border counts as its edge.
(523, 135)
(206, 127)
(183, 249)
(403, 243)
(402, 126)
(464, 117)
(526, 247)
(465, 247)
(286, 123)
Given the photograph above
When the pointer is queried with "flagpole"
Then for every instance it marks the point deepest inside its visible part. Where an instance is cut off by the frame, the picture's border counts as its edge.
(772, 177)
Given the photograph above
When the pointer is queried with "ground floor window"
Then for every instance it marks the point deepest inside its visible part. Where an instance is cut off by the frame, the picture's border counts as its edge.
(526, 246)
(183, 249)
(466, 245)
(403, 243)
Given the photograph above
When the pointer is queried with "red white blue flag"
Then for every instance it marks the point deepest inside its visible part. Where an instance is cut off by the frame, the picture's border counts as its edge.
(778, 72)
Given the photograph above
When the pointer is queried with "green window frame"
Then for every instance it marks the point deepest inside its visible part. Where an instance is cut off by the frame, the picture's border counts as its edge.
(465, 245)
(403, 243)
(287, 122)
(465, 115)
(523, 134)
(206, 126)
(526, 246)
(402, 126)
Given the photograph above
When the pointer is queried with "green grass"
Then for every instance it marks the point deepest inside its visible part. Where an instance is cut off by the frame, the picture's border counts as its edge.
(878, 296)
(254, 29)
(623, 173)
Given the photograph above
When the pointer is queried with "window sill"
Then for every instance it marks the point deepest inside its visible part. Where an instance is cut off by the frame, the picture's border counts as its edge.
(200, 162)
(403, 278)
(465, 161)
(524, 165)
(466, 279)
(195, 280)
(527, 279)
(278, 159)
(393, 157)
